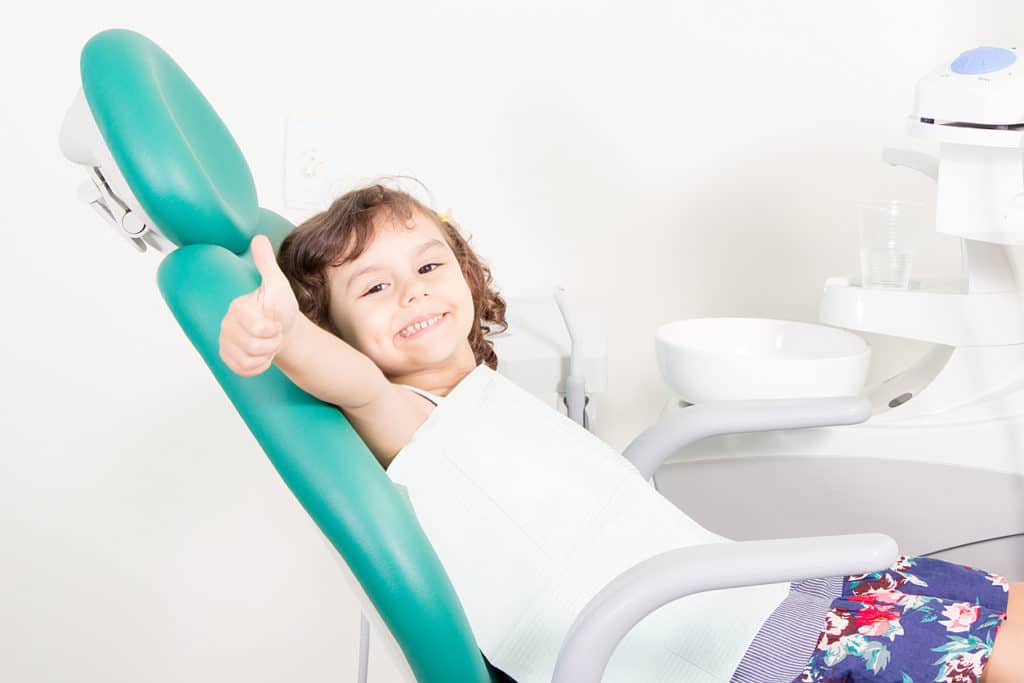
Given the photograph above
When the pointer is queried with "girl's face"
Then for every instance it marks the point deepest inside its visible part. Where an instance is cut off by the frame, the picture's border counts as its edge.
(406, 276)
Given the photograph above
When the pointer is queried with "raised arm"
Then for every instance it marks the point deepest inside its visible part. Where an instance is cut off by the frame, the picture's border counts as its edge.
(265, 326)
(325, 366)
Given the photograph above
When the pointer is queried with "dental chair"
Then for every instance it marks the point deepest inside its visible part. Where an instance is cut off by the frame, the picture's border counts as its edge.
(165, 172)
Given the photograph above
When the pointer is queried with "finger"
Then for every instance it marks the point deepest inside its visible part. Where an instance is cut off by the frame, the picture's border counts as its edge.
(263, 368)
(263, 257)
(248, 319)
(259, 327)
(232, 358)
(255, 366)
(259, 348)
(274, 296)
(242, 363)
(225, 353)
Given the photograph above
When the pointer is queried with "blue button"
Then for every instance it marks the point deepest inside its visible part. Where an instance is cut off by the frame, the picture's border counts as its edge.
(983, 60)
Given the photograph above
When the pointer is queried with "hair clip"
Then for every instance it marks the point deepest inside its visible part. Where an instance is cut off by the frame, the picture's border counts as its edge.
(443, 218)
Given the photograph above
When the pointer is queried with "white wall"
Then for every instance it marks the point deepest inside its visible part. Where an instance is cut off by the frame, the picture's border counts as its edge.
(670, 160)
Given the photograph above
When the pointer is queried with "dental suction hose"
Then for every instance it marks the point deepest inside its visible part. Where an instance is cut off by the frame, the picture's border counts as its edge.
(575, 383)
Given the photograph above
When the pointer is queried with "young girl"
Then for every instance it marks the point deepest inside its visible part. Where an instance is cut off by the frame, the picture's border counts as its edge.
(380, 307)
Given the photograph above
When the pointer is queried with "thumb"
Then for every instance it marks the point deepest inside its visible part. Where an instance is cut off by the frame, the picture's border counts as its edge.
(271, 276)
(263, 257)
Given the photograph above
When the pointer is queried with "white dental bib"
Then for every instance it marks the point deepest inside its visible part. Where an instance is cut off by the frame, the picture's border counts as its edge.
(531, 515)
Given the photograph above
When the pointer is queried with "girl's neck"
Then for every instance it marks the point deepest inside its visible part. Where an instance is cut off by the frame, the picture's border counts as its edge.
(441, 379)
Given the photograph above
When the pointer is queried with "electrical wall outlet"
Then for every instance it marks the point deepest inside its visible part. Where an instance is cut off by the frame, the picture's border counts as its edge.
(311, 162)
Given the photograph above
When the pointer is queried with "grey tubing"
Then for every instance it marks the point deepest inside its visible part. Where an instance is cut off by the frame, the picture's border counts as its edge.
(364, 648)
(575, 398)
(664, 438)
(655, 582)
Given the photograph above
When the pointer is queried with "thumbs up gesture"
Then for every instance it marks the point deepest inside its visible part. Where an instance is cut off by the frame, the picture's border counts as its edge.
(257, 324)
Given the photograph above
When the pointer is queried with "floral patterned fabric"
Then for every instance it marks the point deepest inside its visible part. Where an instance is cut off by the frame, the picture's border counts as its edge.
(920, 621)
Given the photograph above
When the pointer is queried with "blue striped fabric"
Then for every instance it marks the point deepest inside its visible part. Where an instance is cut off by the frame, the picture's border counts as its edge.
(786, 640)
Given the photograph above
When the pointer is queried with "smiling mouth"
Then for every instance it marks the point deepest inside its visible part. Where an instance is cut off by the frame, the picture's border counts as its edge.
(420, 329)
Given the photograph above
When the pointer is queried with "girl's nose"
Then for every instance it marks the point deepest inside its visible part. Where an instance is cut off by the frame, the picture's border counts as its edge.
(415, 291)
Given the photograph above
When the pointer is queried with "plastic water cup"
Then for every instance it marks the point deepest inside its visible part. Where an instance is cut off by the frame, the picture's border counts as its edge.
(886, 232)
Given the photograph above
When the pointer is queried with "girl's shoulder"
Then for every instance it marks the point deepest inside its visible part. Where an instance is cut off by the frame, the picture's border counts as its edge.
(387, 424)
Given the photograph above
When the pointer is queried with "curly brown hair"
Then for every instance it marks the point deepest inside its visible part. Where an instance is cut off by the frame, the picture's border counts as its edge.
(342, 232)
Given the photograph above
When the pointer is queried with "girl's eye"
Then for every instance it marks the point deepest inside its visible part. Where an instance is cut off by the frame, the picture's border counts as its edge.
(431, 266)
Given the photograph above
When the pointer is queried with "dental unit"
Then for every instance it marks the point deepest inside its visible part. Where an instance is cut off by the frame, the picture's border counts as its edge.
(942, 456)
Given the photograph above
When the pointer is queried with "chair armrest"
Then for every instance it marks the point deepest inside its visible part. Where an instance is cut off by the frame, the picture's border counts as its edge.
(664, 438)
(655, 582)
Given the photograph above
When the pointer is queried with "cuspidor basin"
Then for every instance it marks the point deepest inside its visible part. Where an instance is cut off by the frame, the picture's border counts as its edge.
(721, 359)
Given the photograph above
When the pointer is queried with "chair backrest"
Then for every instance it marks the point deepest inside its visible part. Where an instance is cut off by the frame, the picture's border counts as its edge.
(171, 161)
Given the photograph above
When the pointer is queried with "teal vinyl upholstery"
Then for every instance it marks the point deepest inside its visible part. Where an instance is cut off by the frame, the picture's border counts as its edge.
(192, 180)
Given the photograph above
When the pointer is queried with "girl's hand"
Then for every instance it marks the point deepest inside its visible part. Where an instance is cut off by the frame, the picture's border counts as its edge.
(257, 324)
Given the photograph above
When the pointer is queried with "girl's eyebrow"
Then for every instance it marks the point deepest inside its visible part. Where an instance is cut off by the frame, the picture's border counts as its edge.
(429, 244)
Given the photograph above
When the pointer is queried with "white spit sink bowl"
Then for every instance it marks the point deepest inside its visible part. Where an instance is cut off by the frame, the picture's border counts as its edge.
(722, 359)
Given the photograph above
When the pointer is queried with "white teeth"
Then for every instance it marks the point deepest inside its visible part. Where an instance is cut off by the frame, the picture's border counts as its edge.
(420, 325)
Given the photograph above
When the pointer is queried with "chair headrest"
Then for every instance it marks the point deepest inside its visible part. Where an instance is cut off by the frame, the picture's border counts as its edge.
(168, 146)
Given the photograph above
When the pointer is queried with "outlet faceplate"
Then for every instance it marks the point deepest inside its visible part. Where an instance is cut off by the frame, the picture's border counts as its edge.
(311, 162)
